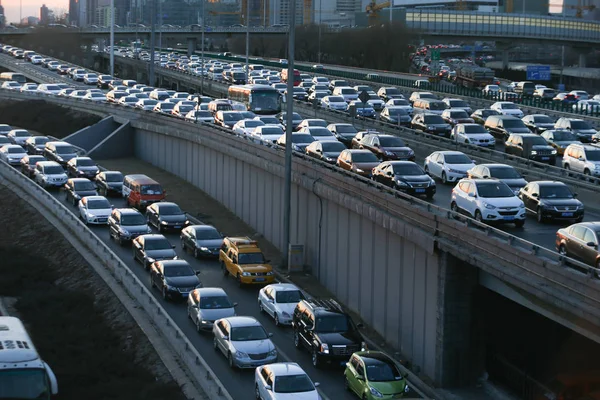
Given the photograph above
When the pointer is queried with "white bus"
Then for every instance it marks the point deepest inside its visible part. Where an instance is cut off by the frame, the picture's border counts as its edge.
(260, 99)
(23, 374)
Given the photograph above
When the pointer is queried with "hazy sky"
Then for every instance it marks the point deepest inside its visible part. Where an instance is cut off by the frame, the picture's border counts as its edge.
(30, 7)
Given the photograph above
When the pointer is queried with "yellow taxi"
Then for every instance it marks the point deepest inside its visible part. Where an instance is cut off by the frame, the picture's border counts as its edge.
(241, 258)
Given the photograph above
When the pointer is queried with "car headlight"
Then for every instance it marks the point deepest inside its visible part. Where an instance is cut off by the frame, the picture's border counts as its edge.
(597, 166)
(553, 152)
(273, 353)
(325, 348)
(269, 273)
(455, 171)
(489, 206)
(522, 205)
(81, 172)
(430, 128)
(406, 389)
(241, 354)
(164, 223)
(375, 392)
(245, 273)
(150, 259)
(401, 183)
(388, 153)
(204, 248)
(329, 159)
(361, 171)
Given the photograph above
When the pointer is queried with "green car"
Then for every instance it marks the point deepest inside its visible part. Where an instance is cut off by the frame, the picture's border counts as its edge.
(373, 375)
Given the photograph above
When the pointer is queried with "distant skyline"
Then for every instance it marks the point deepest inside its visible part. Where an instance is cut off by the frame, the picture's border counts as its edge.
(31, 8)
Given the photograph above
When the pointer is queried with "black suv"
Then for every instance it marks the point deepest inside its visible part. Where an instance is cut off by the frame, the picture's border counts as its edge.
(323, 328)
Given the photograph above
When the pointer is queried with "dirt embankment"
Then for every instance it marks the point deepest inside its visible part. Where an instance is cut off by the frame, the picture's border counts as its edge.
(84, 333)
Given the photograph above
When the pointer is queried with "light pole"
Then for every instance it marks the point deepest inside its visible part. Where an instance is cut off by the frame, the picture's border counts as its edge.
(202, 52)
(112, 38)
(319, 50)
(160, 22)
(287, 200)
(247, 39)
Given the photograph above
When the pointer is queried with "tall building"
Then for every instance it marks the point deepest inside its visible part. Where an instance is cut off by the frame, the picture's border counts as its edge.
(103, 15)
(280, 11)
(30, 21)
(2, 17)
(45, 15)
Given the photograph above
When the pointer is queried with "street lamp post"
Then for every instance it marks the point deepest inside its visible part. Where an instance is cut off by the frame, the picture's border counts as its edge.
(247, 38)
(112, 38)
(202, 52)
(319, 50)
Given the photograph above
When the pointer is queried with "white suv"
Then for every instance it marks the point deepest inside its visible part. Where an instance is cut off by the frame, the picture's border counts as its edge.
(507, 108)
(49, 174)
(584, 158)
(488, 201)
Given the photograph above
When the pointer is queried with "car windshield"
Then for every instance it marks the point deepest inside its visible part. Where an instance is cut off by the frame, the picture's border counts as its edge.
(392, 91)
(437, 105)
(113, 177)
(333, 146)
(52, 87)
(504, 173)
(542, 119)
(85, 163)
(494, 189)
(433, 119)
(387, 141)
(535, 141)
(101, 204)
(346, 130)
(253, 123)
(272, 131)
(41, 140)
(459, 114)
(270, 120)
(247, 333)
(65, 150)
(513, 123)
(85, 185)
(593, 155)
(509, 106)
(397, 111)
(25, 383)
(458, 103)
(332, 323)
(293, 384)
(487, 113)
(555, 192)
(457, 159)
(203, 114)
(92, 75)
(54, 170)
(336, 99)
(232, 116)
(167, 106)
(299, 139)
(562, 136)
(15, 150)
(288, 296)
(151, 189)
(580, 125)
(178, 270)
(170, 210)
(408, 169)
(184, 108)
(133, 219)
(320, 132)
(207, 234)
(401, 102)
(474, 129)
(364, 157)
(251, 258)
(214, 302)
(379, 371)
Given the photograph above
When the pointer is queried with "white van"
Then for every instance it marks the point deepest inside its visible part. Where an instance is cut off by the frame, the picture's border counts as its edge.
(348, 93)
(33, 378)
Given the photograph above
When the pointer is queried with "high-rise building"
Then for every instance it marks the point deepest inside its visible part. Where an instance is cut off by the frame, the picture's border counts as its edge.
(280, 11)
(45, 15)
(2, 17)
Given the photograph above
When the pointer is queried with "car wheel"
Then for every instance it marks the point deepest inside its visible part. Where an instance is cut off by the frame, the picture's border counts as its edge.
(316, 362)
(257, 393)
(215, 345)
(454, 207)
(346, 384)
(230, 360)
(239, 280)
(152, 285)
(165, 296)
(296, 340)
(586, 172)
(196, 253)
(562, 250)
(478, 216)
(519, 223)
(567, 167)
(277, 320)
(444, 178)
(540, 217)
(224, 269)
(260, 307)
(426, 169)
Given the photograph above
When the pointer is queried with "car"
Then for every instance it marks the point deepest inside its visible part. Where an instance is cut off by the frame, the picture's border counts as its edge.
(60, 152)
(12, 154)
(174, 278)
(94, 210)
(587, 106)
(300, 141)
(361, 110)
(319, 133)
(267, 134)
(502, 172)
(82, 167)
(560, 139)
(66, 92)
(244, 342)
(488, 201)
(4, 140)
(270, 120)
(457, 103)
(431, 123)
(125, 224)
(449, 166)
(246, 127)
(336, 103)
(78, 94)
(414, 96)
(18, 136)
(343, 132)
(491, 90)
(327, 151)
(480, 115)
(109, 183)
(551, 201)
(388, 93)
(242, 258)
(78, 75)
(360, 162)
(455, 116)
(323, 328)
(287, 380)
(5, 129)
(580, 94)
(405, 176)
(544, 94)
(149, 248)
(474, 134)
(296, 119)
(49, 174)
(164, 107)
(202, 240)
(206, 305)
(564, 99)
(397, 116)
(11, 85)
(579, 127)
(507, 108)
(77, 188)
(580, 241)
(29, 87)
(502, 126)
(166, 215)
(582, 158)
(387, 147)
(530, 146)
(145, 104)
(374, 375)
(28, 164)
(36, 144)
(278, 300)
(227, 119)
(103, 81)
(311, 122)
(538, 123)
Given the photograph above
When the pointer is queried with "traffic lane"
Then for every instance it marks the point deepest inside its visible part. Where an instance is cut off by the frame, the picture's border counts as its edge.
(211, 276)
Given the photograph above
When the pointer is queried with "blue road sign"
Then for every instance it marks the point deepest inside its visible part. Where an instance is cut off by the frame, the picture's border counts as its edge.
(538, 73)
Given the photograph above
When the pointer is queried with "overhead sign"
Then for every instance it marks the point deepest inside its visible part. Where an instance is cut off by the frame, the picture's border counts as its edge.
(435, 54)
(538, 73)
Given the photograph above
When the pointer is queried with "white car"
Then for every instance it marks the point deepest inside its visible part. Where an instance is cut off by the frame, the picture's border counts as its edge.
(94, 209)
(319, 133)
(11, 85)
(29, 87)
(237, 106)
(244, 342)
(267, 134)
(18, 136)
(401, 103)
(206, 305)
(320, 80)
(488, 201)
(449, 166)
(334, 103)
(270, 120)
(203, 116)
(587, 106)
(48, 88)
(36, 60)
(146, 104)
(281, 381)
(95, 96)
(474, 134)
(458, 103)
(279, 300)
(49, 174)
(580, 94)
(12, 154)
(245, 127)
(491, 90)
(540, 86)
(78, 75)
(507, 108)
(127, 101)
(78, 94)
(311, 122)
(281, 87)
(511, 86)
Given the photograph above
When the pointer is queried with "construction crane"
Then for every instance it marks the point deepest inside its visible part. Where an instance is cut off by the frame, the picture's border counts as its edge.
(579, 7)
(373, 9)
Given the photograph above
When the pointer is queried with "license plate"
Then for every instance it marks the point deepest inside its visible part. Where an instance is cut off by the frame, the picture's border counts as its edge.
(420, 190)
(545, 158)
(567, 214)
(259, 279)
(509, 218)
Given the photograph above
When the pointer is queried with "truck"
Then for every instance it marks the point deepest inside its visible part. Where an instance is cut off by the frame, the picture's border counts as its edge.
(473, 76)
(23, 374)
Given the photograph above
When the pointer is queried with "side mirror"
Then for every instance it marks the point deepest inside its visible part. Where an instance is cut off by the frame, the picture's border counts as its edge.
(471, 194)
(267, 387)
(317, 384)
(225, 337)
(360, 325)
(235, 304)
(440, 162)
(197, 272)
(270, 335)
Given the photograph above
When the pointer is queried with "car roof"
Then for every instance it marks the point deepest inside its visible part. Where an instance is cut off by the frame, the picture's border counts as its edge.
(287, 368)
(549, 183)
(174, 263)
(75, 180)
(593, 224)
(281, 287)
(358, 151)
(211, 291)
(48, 163)
(13, 146)
(202, 227)
(81, 158)
(242, 321)
(128, 211)
(450, 152)
(373, 355)
(496, 165)
(153, 236)
(95, 197)
(399, 163)
(161, 204)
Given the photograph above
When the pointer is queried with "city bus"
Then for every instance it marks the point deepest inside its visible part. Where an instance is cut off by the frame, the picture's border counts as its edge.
(13, 76)
(260, 99)
(297, 78)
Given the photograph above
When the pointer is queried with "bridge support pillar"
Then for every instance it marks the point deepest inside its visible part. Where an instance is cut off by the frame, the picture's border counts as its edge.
(192, 43)
(582, 60)
(504, 58)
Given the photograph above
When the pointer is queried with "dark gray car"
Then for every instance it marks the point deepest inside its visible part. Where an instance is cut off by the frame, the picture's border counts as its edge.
(150, 248)
(202, 240)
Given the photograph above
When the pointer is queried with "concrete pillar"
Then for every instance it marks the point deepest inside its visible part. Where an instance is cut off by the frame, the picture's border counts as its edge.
(504, 58)
(582, 59)
(191, 45)
(459, 354)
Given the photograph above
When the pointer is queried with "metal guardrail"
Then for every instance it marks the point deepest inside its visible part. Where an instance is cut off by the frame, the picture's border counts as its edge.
(186, 352)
